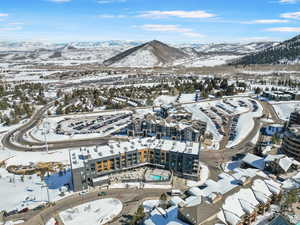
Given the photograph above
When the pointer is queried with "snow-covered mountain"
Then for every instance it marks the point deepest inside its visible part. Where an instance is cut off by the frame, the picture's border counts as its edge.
(287, 52)
(150, 54)
(126, 53)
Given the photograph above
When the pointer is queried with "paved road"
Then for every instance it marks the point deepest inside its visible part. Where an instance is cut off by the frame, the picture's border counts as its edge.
(15, 139)
(129, 198)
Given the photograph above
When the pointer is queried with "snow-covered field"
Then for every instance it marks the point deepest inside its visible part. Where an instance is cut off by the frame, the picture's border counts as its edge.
(164, 100)
(14, 222)
(28, 192)
(214, 60)
(284, 109)
(186, 98)
(93, 213)
(27, 158)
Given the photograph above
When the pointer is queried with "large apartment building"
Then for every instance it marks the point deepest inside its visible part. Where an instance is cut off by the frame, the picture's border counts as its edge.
(166, 128)
(91, 166)
(291, 139)
(291, 142)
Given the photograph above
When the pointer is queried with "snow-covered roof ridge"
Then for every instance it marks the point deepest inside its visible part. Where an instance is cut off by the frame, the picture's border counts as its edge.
(254, 160)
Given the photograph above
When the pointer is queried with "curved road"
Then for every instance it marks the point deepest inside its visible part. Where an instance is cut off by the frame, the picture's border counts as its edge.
(130, 198)
(20, 144)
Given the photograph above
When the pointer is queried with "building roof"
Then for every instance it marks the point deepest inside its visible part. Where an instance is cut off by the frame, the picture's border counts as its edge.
(115, 148)
(254, 161)
(283, 161)
(280, 220)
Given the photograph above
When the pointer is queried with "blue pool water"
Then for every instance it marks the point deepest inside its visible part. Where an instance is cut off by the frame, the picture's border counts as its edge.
(157, 177)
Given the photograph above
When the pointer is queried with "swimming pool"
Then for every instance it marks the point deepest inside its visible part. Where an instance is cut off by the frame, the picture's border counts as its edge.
(157, 177)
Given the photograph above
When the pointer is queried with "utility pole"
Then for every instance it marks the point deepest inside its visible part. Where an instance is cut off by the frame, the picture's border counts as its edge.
(46, 126)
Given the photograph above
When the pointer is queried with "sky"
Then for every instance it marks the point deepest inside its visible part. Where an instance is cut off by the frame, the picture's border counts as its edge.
(173, 21)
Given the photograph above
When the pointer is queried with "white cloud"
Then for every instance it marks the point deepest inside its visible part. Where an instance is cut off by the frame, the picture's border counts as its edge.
(291, 15)
(3, 14)
(171, 28)
(60, 1)
(110, 16)
(270, 21)
(284, 29)
(177, 13)
(110, 1)
(288, 1)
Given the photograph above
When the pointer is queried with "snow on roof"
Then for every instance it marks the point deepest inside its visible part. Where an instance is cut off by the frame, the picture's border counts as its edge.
(193, 201)
(254, 160)
(273, 186)
(292, 183)
(231, 218)
(115, 148)
(261, 190)
(247, 195)
(285, 163)
(261, 197)
(232, 204)
(176, 200)
(195, 191)
(274, 157)
(226, 183)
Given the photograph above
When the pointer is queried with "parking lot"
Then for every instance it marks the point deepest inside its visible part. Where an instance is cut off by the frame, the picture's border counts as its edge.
(99, 124)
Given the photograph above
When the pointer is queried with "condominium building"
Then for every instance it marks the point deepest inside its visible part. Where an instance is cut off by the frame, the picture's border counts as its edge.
(295, 118)
(291, 142)
(237, 198)
(91, 166)
(170, 128)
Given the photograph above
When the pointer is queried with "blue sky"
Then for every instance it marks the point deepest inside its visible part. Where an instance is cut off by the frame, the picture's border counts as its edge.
(203, 21)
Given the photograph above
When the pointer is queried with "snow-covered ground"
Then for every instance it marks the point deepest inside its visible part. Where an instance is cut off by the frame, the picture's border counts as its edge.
(28, 192)
(171, 213)
(186, 98)
(164, 100)
(27, 158)
(92, 213)
(14, 222)
(213, 60)
(284, 109)
(51, 222)
(204, 173)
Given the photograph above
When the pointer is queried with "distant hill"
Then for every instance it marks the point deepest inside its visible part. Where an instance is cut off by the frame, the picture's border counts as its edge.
(153, 53)
(287, 52)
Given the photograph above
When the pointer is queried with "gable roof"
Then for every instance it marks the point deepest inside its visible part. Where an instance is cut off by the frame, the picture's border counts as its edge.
(254, 161)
